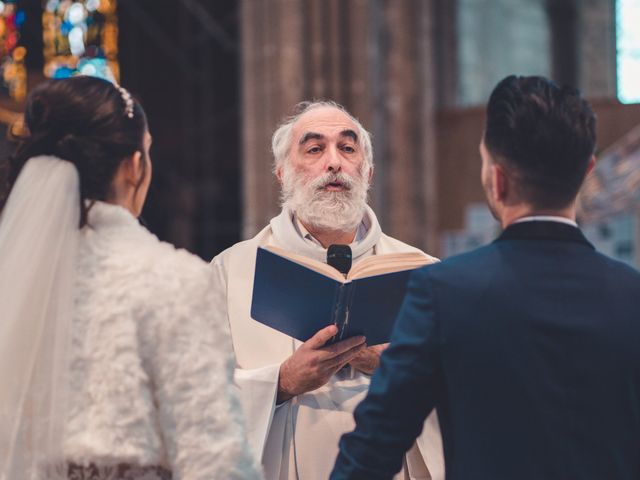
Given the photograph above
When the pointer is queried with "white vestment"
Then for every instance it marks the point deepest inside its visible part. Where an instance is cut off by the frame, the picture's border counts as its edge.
(299, 438)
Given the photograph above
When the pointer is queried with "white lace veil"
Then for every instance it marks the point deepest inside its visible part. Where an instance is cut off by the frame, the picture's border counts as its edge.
(38, 248)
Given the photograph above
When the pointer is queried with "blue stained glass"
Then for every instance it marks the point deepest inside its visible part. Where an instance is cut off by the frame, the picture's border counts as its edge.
(65, 27)
(63, 72)
(78, 34)
(95, 67)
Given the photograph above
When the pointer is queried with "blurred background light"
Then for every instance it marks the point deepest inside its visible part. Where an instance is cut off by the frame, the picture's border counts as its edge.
(628, 50)
(52, 5)
(92, 5)
(76, 41)
(81, 37)
(76, 13)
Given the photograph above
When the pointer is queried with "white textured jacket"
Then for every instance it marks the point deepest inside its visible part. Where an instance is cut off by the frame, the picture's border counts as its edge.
(151, 361)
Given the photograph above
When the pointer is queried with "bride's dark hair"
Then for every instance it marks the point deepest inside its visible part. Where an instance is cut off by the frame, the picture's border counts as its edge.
(86, 121)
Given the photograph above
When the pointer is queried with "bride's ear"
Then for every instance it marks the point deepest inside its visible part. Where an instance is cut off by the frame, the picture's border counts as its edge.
(133, 170)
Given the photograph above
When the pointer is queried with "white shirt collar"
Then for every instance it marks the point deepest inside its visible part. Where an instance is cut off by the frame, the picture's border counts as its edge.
(363, 228)
(547, 218)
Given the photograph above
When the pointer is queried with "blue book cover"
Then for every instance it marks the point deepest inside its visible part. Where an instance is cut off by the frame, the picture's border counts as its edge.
(298, 300)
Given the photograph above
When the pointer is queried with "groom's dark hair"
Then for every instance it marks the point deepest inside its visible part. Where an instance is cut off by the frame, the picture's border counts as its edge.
(543, 135)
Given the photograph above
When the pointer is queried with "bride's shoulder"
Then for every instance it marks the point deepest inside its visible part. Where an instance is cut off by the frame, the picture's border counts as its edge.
(163, 258)
(162, 277)
(116, 245)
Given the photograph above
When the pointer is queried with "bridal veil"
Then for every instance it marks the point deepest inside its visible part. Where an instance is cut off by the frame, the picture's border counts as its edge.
(39, 230)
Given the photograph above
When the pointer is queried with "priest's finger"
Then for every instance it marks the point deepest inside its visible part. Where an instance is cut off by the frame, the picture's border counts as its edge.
(321, 337)
(337, 362)
(344, 345)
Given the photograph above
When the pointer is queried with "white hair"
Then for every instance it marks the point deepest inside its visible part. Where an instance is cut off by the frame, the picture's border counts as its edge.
(281, 140)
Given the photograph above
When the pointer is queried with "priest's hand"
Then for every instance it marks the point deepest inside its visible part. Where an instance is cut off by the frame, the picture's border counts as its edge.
(313, 364)
(368, 359)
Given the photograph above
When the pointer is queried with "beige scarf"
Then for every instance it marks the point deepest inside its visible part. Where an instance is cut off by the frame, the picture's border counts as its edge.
(287, 237)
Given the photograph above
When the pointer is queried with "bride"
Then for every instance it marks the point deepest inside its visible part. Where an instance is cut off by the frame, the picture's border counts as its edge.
(113, 361)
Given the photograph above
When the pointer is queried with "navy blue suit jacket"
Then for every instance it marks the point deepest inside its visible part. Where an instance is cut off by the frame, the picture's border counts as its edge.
(529, 348)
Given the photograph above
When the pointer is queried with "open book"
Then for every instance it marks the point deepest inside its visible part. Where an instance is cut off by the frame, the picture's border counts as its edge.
(299, 296)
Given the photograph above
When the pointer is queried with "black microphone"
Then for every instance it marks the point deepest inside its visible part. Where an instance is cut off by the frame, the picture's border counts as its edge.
(339, 257)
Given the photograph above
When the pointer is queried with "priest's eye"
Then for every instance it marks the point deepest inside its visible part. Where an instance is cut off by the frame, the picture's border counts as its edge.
(315, 149)
(348, 149)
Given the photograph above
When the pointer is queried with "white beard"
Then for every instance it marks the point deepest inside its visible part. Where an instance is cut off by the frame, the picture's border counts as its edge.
(336, 211)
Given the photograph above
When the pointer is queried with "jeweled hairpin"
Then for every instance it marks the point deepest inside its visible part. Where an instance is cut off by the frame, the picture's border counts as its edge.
(128, 101)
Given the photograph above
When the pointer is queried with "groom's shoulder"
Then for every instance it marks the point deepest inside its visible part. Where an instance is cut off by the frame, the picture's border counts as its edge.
(464, 268)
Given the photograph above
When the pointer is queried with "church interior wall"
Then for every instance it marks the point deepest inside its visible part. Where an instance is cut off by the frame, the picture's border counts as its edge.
(417, 73)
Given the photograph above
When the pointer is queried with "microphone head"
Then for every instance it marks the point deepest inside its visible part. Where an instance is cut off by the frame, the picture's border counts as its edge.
(339, 257)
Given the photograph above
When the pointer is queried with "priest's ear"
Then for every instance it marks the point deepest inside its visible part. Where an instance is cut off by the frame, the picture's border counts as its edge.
(279, 173)
(371, 174)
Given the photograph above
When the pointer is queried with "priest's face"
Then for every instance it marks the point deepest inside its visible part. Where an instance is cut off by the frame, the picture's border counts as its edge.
(325, 178)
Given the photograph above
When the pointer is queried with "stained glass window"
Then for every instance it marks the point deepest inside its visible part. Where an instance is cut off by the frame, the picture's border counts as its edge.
(628, 50)
(12, 55)
(80, 37)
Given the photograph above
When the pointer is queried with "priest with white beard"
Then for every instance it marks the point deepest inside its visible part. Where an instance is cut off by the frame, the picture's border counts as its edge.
(299, 397)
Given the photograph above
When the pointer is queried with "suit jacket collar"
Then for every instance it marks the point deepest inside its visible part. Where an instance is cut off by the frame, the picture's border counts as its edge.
(544, 230)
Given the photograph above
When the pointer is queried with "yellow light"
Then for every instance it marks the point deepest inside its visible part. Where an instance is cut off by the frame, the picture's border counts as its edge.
(19, 53)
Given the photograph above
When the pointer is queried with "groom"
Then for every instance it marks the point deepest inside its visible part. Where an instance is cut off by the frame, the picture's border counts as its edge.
(529, 347)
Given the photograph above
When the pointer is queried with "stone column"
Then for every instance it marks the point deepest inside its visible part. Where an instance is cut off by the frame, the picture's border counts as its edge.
(272, 82)
(563, 26)
(597, 48)
(407, 203)
(373, 56)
